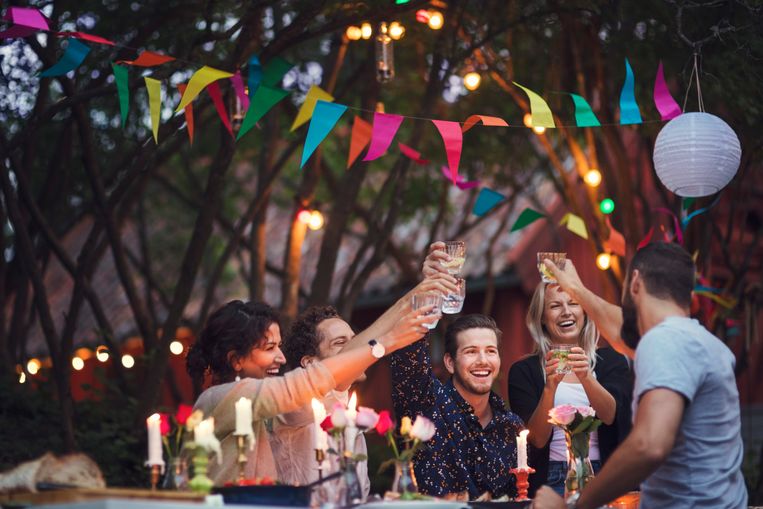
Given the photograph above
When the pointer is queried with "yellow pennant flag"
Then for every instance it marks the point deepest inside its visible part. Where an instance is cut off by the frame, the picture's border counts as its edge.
(154, 88)
(305, 113)
(199, 82)
(575, 224)
(541, 113)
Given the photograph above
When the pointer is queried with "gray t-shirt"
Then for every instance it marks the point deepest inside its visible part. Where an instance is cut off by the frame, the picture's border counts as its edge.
(703, 469)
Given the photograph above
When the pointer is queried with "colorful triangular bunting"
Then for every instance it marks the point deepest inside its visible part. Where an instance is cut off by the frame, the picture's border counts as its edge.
(262, 101)
(452, 136)
(305, 112)
(541, 113)
(72, 58)
(575, 224)
(666, 105)
(123, 90)
(199, 81)
(384, 128)
(526, 218)
(629, 112)
(154, 88)
(486, 200)
(325, 117)
(361, 135)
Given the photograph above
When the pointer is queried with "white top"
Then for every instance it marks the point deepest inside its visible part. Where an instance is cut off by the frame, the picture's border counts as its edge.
(571, 394)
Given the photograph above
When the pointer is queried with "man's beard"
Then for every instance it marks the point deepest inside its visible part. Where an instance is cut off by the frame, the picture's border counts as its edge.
(466, 384)
(629, 330)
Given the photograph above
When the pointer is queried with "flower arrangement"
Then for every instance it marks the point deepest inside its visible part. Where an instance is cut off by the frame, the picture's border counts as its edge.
(577, 422)
(174, 427)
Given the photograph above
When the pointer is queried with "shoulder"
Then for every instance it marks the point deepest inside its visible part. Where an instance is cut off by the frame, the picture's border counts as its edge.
(608, 357)
(526, 367)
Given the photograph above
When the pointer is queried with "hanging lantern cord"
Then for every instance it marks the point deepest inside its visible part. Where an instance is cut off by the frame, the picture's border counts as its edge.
(695, 75)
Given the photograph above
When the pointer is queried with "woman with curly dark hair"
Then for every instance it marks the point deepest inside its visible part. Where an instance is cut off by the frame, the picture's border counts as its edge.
(240, 348)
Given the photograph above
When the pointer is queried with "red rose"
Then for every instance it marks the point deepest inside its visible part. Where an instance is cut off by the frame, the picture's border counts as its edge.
(184, 411)
(327, 425)
(164, 424)
(385, 422)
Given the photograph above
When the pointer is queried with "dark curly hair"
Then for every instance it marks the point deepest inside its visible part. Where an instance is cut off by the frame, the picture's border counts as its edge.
(303, 338)
(235, 327)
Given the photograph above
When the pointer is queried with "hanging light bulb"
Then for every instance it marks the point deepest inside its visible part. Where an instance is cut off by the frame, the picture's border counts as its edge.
(366, 31)
(304, 216)
(176, 347)
(353, 33)
(237, 112)
(316, 220)
(539, 129)
(527, 120)
(607, 206)
(128, 361)
(78, 363)
(592, 177)
(472, 80)
(102, 353)
(396, 30)
(33, 366)
(385, 57)
(604, 261)
(436, 20)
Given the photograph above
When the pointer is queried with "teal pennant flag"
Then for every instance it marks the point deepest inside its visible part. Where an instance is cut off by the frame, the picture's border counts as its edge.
(584, 116)
(72, 58)
(325, 117)
(486, 200)
(629, 112)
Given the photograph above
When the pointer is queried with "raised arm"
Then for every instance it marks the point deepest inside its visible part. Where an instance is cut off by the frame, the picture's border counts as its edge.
(607, 317)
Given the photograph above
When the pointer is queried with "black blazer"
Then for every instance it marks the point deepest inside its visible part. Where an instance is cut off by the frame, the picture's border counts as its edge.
(526, 388)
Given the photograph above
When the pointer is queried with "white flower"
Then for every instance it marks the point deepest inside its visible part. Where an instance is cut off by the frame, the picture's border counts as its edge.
(586, 411)
(423, 429)
(339, 416)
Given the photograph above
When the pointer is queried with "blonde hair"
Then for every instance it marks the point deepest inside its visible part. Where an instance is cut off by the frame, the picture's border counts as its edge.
(589, 334)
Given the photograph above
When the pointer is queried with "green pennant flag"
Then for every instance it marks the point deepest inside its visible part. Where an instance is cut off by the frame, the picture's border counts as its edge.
(525, 218)
(274, 71)
(263, 100)
(584, 115)
(121, 77)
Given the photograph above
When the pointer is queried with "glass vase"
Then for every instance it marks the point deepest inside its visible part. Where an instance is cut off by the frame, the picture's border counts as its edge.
(579, 468)
(404, 483)
(176, 476)
(349, 491)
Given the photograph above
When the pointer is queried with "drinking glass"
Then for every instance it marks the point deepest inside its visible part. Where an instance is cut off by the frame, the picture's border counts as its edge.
(562, 352)
(434, 299)
(558, 258)
(456, 249)
(454, 302)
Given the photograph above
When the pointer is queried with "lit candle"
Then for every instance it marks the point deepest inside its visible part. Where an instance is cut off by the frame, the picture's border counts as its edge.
(351, 431)
(522, 449)
(319, 415)
(204, 436)
(244, 419)
(154, 440)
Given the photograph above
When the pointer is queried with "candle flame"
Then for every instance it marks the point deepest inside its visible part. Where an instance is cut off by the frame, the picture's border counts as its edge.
(524, 433)
(353, 404)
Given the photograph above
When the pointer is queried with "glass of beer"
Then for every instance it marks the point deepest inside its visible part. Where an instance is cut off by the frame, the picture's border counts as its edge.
(434, 299)
(454, 302)
(558, 258)
(456, 249)
(562, 353)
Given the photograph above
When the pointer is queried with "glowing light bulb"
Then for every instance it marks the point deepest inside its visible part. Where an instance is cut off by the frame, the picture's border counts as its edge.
(78, 363)
(472, 80)
(304, 216)
(128, 361)
(592, 177)
(366, 30)
(396, 30)
(33, 366)
(603, 261)
(102, 353)
(436, 21)
(22, 377)
(353, 33)
(539, 129)
(607, 206)
(316, 220)
(422, 16)
(176, 347)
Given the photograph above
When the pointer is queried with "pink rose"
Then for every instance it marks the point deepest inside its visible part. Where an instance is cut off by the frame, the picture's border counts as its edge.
(338, 416)
(385, 422)
(586, 411)
(366, 418)
(423, 429)
(562, 415)
(164, 424)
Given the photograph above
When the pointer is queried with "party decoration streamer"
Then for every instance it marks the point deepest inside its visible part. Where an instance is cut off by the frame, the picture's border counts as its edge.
(188, 113)
(412, 154)
(314, 95)
(666, 105)
(199, 81)
(461, 183)
(217, 99)
(26, 22)
(697, 212)
(262, 102)
(686, 202)
(121, 79)
(616, 241)
(154, 88)
(486, 200)
(238, 86)
(325, 117)
(87, 37)
(541, 113)
(275, 71)
(148, 59)
(453, 139)
(629, 112)
(487, 121)
(584, 115)
(647, 239)
(575, 224)
(72, 58)
(676, 223)
(526, 218)
(359, 139)
(384, 129)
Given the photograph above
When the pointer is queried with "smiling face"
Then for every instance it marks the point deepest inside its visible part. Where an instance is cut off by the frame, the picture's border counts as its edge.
(476, 363)
(263, 360)
(563, 317)
(334, 333)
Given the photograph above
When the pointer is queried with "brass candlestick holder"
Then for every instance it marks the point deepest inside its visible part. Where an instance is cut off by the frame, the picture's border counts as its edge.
(320, 457)
(242, 458)
(522, 483)
(155, 472)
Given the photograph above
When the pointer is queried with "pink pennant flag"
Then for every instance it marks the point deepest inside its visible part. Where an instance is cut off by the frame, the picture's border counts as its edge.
(384, 129)
(361, 135)
(460, 183)
(238, 86)
(666, 105)
(26, 22)
(217, 99)
(87, 37)
(415, 155)
(453, 139)
(489, 121)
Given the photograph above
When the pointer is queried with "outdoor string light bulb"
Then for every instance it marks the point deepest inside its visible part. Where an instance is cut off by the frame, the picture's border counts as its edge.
(385, 57)
(472, 80)
(604, 261)
(304, 216)
(176, 347)
(316, 220)
(366, 31)
(396, 30)
(436, 20)
(22, 377)
(78, 363)
(353, 33)
(102, 353)
(33, 366)
(592, 177)
(607, 206)
(128, 361)
(539, 129)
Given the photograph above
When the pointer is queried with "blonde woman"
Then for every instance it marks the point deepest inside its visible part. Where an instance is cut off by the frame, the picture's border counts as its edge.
(600, 378)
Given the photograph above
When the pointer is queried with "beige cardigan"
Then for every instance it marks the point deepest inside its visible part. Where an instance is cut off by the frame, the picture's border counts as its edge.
(277, 395)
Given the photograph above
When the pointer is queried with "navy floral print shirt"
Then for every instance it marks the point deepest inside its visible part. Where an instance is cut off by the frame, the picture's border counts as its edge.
(462, 456)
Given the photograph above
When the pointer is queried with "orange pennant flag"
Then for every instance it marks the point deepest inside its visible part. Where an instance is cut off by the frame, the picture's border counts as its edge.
(188, 113)
(359, 140)
(148, 59)
(489, 121)
(616, 241)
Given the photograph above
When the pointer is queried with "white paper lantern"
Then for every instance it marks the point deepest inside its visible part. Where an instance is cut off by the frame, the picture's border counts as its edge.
(696, 154)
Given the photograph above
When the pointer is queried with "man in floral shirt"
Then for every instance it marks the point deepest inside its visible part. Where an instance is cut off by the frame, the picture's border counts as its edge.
(475, 444)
